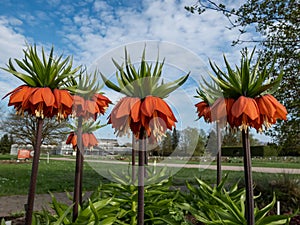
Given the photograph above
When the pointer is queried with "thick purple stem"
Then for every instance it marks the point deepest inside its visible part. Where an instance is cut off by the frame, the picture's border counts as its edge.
(34, 173)
(77, 195)
(219, 154)
(141, 177)
(248, 178)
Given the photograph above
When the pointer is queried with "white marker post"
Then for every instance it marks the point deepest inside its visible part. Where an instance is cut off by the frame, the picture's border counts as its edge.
(278, 207)
(48, 157)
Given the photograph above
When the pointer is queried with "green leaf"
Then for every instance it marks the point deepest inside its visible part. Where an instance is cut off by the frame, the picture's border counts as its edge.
(263, 212)
(63, 217)
(110, 84)
(143, 81)
(274, 220)
(41, 72)
(162, 219)
(25, 78)
(108, 221)
(60, 210)
(94, 211)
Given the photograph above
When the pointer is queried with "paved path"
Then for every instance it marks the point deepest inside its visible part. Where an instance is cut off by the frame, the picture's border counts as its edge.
(236, 168)
(15, 203)
(199, 166)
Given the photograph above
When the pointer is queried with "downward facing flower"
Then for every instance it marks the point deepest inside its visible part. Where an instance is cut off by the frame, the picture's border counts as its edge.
(63, 103)
(72, 139)
(88, 101)
(43, 93)
(88, 139)
(125, 116)
(221, 110)
(208, 97)
(90, 108)
(245, 112)
(203, 110)
(249, 90)
(151, 113)
(143, 109)
(156, 116)
(41, 102)
(270, 109)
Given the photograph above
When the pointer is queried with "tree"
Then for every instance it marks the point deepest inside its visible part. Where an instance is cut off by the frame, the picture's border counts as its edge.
(5, 143)
(166, 144)
(211, 145)
(175, 138)
(278, 24)
(233, 138)
(23, 129)
(200, 147)
(192, 141)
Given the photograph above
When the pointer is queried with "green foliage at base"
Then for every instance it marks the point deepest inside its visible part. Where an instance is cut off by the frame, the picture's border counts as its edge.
(116, 203)
(220, 205)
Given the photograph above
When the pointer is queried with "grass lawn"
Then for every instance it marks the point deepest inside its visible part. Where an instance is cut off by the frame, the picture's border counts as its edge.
(58, 176)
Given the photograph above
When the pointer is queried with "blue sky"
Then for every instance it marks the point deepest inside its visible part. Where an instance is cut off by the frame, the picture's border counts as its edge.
(93, 31)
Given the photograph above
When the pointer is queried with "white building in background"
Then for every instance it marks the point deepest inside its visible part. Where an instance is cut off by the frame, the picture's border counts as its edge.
(104, 147)
(52, 149)
(15, 147)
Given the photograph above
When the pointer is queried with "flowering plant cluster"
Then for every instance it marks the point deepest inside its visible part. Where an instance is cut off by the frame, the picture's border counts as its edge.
(243, 98)
(143, 108)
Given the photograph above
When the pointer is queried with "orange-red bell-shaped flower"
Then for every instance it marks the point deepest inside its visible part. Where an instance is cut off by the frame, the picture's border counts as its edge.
(88, 139)
(90, 108)
(41, 102)
(152, 113)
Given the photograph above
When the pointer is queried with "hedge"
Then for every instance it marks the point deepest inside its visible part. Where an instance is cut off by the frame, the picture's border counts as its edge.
(261, 150)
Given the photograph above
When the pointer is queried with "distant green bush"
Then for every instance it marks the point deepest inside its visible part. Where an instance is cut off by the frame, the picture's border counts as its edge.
(261, 150)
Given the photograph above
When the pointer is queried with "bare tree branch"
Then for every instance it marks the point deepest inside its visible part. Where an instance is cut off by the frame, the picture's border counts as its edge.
(23, 129)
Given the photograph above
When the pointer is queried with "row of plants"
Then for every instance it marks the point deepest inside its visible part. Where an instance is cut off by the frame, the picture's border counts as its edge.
(53, 88)
(239, 98)
(197, 203)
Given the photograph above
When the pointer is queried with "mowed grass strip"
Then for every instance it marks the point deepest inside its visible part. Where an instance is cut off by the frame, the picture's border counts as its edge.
(58, 176)
(55, 176)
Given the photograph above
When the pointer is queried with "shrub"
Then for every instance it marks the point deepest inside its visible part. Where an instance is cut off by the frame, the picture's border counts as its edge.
(262, 150)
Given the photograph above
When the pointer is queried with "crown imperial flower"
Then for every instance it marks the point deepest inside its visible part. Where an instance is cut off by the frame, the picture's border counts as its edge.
(43, 94)
(244, 98)
(143, 106)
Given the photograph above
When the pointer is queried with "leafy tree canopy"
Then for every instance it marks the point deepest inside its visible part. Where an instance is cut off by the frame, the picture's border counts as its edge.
(5, 143)
(278, 24)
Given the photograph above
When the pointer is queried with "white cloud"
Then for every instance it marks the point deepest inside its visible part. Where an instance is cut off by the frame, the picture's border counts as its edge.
(53, 2)
(168, 21)
(11, 44)
(93, 32)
